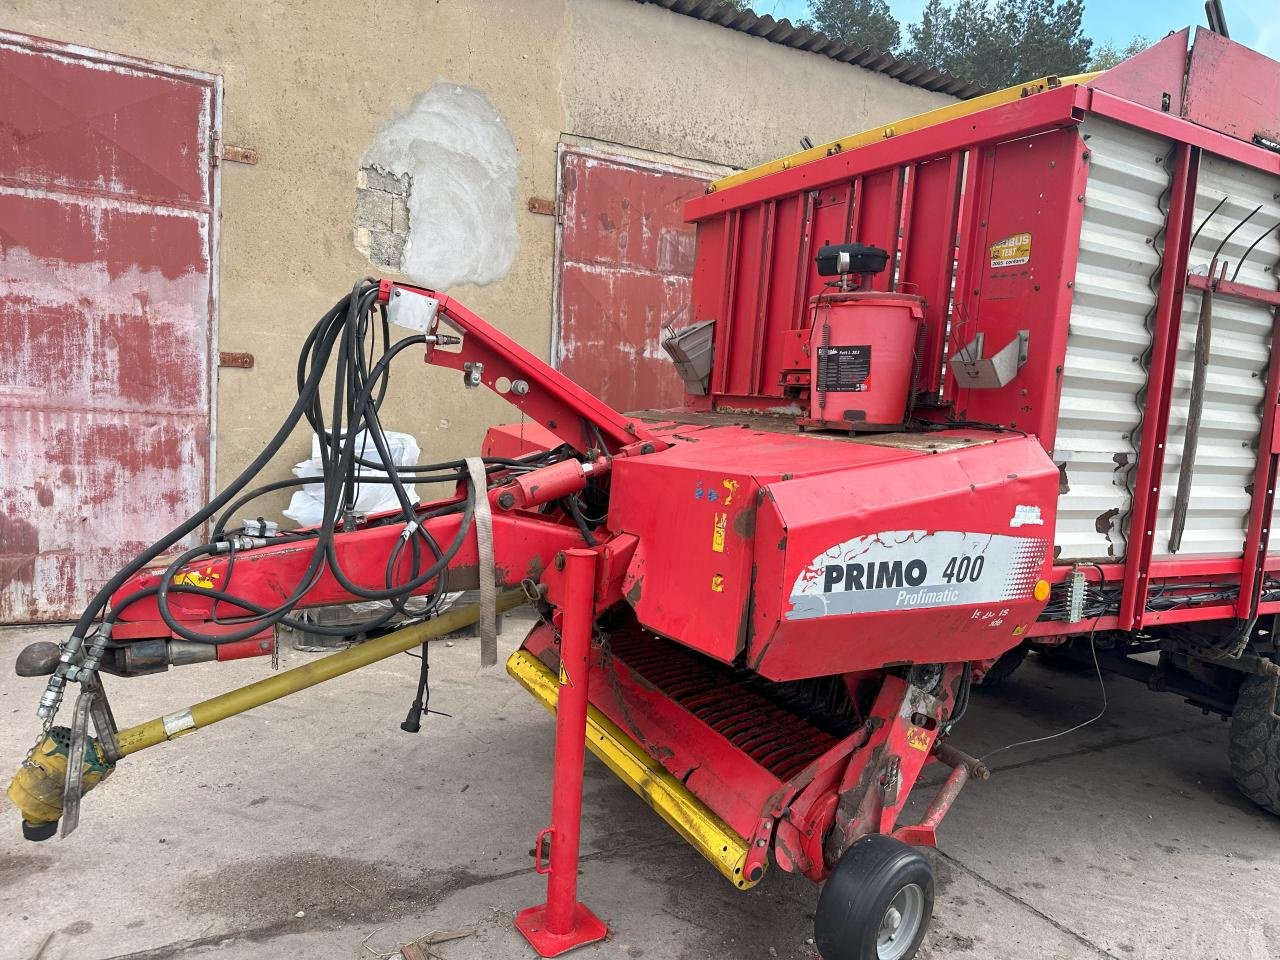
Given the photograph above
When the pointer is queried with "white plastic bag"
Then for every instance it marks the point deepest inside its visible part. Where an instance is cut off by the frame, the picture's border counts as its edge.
(306, 508)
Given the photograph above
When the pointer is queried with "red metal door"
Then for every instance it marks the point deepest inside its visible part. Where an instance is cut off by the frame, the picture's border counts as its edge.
(626, 263)
(107, 233)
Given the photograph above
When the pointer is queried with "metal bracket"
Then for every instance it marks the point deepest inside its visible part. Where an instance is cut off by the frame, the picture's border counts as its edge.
(472, 370)
(974, 371)
(104, 722)
(416, 312)
(73, 790)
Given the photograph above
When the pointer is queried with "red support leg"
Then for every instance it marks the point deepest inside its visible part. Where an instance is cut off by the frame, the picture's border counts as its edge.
(563, 923)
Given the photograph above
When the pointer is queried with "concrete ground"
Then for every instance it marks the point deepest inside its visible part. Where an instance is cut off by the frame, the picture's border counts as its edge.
(315, 828)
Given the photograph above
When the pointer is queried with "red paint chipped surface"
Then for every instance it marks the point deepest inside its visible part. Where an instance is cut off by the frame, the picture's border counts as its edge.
(626, 268)
(105, 293)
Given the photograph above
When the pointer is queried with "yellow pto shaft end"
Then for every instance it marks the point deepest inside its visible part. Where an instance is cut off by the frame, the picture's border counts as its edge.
(36, 789)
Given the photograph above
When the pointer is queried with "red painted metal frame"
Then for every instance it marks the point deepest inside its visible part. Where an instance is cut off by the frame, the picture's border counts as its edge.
(791, 813)
(879, 761)
(1174, 128)
(1160, 373)
(525, 544)
(1220, 64)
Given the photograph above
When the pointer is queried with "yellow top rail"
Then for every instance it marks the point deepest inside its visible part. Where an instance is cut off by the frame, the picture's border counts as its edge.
(921, 120)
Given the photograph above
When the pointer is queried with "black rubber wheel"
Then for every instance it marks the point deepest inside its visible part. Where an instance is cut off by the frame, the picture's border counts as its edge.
(1255, 743)
(877, 903)
(1003, 668)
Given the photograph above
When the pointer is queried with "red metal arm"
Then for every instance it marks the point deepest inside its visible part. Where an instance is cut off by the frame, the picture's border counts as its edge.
(533, 387)
(524, 545)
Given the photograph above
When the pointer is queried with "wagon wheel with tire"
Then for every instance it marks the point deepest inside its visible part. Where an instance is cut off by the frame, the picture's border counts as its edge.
(877, 902)
(1003, 668)
(1254, 747)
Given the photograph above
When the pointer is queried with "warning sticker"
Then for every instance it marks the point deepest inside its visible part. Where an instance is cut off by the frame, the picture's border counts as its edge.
(918, 738)
(844, 369)
(195, 578)
(717, 532)
(1011, 251)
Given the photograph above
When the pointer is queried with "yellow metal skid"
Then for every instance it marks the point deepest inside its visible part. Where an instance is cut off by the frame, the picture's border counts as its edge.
(688, 815)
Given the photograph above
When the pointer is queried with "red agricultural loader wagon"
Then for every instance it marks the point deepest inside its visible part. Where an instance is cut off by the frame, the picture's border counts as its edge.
(994, 377)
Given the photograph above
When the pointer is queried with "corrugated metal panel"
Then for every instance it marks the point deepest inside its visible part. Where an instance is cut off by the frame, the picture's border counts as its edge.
(106, 292)
(1102, 376)
(626, 263)
(1102, 380)
(787, 34)
(1225, 457)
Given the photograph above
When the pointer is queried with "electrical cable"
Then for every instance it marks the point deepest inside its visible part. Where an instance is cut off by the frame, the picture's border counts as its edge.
(962, 699)
(1093, 647)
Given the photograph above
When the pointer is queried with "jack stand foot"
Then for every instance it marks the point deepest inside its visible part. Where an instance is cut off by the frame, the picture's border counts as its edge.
(587, 928)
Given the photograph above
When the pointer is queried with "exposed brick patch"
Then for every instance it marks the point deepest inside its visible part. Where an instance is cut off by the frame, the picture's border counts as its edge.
(382, 215)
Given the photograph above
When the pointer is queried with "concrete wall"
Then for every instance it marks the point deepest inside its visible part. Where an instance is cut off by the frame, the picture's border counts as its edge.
(309, 86)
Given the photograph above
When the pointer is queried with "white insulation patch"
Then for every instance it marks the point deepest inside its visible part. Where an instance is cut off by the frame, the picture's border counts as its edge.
(462, 203)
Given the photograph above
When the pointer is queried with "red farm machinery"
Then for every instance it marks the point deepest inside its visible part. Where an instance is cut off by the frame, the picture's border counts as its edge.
(993, 378)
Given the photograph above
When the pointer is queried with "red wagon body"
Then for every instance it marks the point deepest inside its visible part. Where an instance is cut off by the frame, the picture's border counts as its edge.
(1087, 214)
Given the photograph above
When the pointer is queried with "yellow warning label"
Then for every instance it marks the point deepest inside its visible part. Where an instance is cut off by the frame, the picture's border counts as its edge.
(918, 738)
(194, 578)
(1011, 251)
(717, 583)
(717, 533)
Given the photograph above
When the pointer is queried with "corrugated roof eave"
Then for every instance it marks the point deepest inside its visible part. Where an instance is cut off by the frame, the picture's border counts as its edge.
(787, 34)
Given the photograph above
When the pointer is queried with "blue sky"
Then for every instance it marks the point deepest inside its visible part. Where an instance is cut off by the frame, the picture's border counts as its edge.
(1256, 23)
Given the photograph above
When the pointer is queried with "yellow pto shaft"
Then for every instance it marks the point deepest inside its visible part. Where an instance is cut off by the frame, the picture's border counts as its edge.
(201, 715)
(37, 790)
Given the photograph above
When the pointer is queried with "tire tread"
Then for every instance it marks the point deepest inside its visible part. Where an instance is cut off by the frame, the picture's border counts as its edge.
(1254, 747)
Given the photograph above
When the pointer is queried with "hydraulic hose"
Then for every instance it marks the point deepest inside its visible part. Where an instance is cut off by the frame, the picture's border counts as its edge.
(341, 347)
(305, 397)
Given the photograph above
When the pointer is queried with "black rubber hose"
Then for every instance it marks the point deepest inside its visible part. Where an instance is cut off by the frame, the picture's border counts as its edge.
(359, 389)
(492, 465)
(570, 506)
(305, 397)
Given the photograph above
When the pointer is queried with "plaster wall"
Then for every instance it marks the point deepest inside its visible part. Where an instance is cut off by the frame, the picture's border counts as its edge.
(310, 85)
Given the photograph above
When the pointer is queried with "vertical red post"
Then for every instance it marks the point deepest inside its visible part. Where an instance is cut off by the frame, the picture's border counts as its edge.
(563, 923)
(1160, 376)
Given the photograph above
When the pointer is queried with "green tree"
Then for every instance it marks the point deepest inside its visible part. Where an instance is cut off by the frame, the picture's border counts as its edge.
(1107, 55)
(860, 23)
(998, 43)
